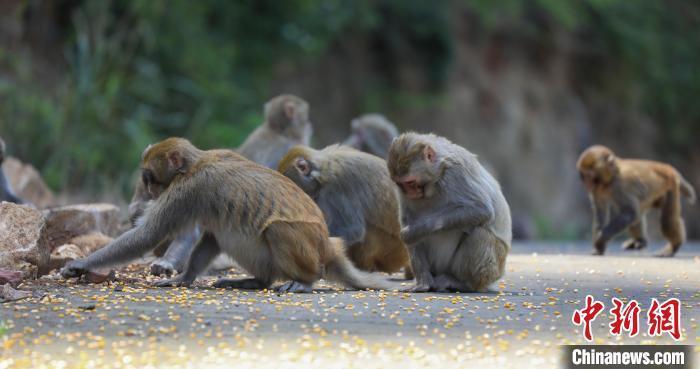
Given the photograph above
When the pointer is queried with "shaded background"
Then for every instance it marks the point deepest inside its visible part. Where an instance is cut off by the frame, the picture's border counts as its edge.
(526, 85)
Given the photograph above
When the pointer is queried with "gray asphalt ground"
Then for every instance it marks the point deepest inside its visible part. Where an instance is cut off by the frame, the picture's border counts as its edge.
(520, 324)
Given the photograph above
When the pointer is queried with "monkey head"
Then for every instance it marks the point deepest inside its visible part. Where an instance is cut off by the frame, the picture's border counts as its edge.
(372, 133)
(287, 113)
(415, 166)
(597, 167)
(299, 166)
(162, 162)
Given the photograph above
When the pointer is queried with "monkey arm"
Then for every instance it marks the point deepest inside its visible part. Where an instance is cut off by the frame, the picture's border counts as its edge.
(464, 216)
(343, 219)
(170, 213)
(626, 217)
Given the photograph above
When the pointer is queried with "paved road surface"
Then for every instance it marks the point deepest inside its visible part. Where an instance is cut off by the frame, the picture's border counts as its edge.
(521, 324)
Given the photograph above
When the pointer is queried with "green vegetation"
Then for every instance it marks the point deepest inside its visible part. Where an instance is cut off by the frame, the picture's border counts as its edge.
(117, 75)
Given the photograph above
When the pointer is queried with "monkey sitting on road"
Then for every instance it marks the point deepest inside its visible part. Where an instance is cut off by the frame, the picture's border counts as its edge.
(623, 190)
(286, 124)
(259, 217)
(456, 222)
(372, 133)
(358, 200)
(6, 193)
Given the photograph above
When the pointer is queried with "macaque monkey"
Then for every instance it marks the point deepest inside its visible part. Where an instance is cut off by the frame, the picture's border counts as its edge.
(372, 133)
(257, 216)
(6, 193)
(623, 190)
(456, 222)
(358, 199)
(286, 124)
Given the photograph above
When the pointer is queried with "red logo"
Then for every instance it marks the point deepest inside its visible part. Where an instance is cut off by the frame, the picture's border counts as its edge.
(626, 317)
(586, 315)
(665, 317)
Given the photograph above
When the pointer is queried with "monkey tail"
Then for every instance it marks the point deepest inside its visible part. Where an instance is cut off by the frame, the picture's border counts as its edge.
(688, 191)
(340, 269)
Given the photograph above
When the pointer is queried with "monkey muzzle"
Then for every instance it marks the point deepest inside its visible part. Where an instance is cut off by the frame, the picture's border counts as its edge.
(411, 188)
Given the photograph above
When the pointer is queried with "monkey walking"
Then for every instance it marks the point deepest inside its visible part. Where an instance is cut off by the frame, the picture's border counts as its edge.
(6, 193)
(286, 124)
(358, 199)
(455, 219)
(257, 216)
(372, 133)
(623, 190)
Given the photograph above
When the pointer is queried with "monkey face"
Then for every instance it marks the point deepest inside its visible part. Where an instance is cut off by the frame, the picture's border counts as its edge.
(423, 171)
(597, 167)
(304, 173)
(153, 186)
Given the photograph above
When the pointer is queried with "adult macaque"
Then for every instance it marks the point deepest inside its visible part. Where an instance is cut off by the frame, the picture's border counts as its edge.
(372, 133)
(6, 193)
(623, 190)
(358, 200)
(286, 124)
(257, 216)
(455, 219)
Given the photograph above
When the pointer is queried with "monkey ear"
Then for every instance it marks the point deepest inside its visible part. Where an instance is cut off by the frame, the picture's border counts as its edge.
(303, 166)
(429, 154)
(289, 110)
(175, 161)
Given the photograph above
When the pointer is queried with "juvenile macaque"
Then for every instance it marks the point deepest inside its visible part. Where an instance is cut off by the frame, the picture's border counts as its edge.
(456, 222)
(257, 216)
(286, 124)
(623, 190)
(372, 133)
(6, 193)
(358, 200)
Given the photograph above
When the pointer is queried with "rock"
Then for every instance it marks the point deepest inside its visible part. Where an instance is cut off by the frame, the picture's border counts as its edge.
(27, 183)
(10, 276)
(7, 293)
(23, 239)
(68, 222)
(100, 276)
(89, 243)
(63, 254)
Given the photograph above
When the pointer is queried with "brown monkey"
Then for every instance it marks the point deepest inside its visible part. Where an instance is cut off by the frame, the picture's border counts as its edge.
(6, 193)
(456, 222)
(286, 124)
(372, 133)
(257, 216)
(358, 200)
(623, 190)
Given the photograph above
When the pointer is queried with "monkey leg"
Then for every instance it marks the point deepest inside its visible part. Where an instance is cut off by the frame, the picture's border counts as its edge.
(672, 225)
(388, 252)
(639, 235)
(421, 268)
(241, 284)
(479, 260)
(176, 255)
(206, 250)
(294, 249)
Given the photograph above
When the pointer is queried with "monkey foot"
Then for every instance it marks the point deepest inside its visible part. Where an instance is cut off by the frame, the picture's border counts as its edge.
(240, 284)
(596, 253)
(667, 252)
(417, 288)
(173, 282)
(295, 287)
(162, 267)
(633, 244)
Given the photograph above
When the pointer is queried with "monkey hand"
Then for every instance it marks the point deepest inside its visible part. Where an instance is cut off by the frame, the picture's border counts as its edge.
(162, 267)
(178, 281)
(408, 235)
(74, 269)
